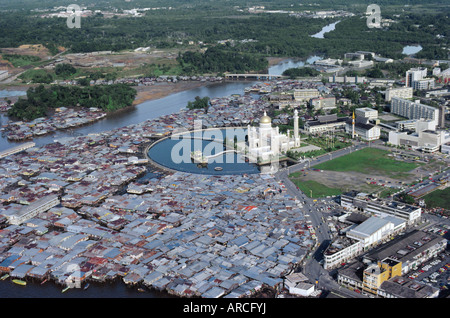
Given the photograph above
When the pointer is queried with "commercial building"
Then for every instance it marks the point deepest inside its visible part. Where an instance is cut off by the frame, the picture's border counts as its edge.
(354, 200)
(445, 148)
(360, 238)
(411, 249)
(442, 115)
(366, 114)
(340, 251)
(400, 92)
(379, 272)
(416, 125)
(376, 274)
(325, 123)
(375, 230)
(400, 287)
(422, 84)
(424, 140)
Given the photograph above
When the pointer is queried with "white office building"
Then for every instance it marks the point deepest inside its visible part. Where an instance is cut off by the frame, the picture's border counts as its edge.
(425, 140)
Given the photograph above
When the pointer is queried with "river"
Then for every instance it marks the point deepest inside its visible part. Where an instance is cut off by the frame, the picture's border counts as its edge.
(411, 49)
(325, 29)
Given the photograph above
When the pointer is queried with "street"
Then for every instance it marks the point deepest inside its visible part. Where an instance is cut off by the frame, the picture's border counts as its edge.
(312, 268)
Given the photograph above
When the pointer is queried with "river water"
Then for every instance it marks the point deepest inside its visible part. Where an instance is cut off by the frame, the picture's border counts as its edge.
(325, 29)
(144, 111)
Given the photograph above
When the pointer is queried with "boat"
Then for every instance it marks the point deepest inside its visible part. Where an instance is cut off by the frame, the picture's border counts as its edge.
(43, 282)
(218, 168)
(19, 282)
(5, 276)
(86, 287)
(197, 157)
(65, 289)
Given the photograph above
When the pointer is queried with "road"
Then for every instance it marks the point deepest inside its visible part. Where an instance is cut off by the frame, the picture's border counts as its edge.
(311, 208)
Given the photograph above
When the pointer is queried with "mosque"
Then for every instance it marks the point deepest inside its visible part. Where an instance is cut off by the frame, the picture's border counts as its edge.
(266, 143)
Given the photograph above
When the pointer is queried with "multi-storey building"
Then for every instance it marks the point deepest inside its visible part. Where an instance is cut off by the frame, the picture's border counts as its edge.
(413, 110)
(400, 92)
(415, 74)
(354, 200)
(305, 94)
(30, 211)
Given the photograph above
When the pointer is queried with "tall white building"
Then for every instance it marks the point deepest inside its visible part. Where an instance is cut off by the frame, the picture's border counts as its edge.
(415, 74)
(417, 79)
(413, 110)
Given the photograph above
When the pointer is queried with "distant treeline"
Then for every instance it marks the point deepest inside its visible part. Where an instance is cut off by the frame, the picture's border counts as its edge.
(41, 99)
(260, 34)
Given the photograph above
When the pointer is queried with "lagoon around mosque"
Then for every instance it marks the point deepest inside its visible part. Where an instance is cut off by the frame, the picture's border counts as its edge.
(175, 154)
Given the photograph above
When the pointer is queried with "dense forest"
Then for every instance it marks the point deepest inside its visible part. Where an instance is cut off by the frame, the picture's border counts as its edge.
(301, 72)
(40, 100)
(218, 60)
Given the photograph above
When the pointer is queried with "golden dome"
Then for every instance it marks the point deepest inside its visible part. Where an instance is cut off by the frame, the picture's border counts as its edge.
(265, 119)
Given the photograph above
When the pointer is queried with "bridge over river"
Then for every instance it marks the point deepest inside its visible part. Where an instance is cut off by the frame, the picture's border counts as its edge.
(253, 76)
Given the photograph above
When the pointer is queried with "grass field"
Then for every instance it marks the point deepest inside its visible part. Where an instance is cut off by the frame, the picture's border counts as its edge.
(318, 190)
(438, 199)
(368, 160)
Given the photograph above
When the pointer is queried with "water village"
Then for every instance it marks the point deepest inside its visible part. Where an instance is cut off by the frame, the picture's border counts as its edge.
(80, 209)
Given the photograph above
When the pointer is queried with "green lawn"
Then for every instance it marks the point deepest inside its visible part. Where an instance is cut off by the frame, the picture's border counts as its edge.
(438, 198)
(368, 160)
(318, 190)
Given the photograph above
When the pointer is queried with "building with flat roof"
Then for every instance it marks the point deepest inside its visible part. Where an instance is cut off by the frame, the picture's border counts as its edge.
(360, 238)
(354, 200)
(412, 249)
(377, 273)
(415, 74)
(413, 109)
(305, 94)
(424, 140)
(326, 102)
(400, 287)
(400, 92)
(325, 123)
(380, 270)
